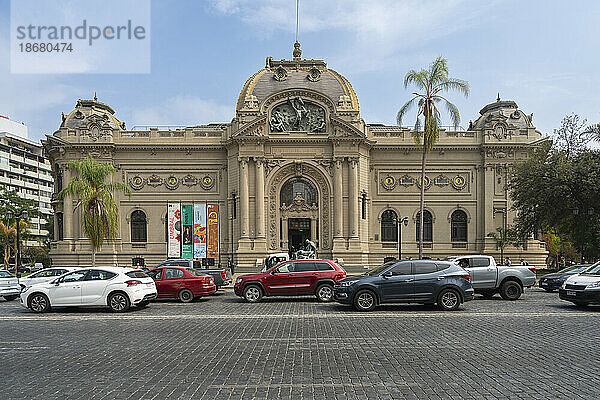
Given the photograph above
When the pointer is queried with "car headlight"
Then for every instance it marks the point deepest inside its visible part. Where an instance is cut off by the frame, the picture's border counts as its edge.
(348, 283)
(238, 280)
(564, 285)
(593, 285)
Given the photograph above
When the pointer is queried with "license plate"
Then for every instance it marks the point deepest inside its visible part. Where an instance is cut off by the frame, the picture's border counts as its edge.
(571, 293)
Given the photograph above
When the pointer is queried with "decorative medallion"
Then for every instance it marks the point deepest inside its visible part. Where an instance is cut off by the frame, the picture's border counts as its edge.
(297, 115)
(441, 180)
(407, 181)
(189, 180)
(427, 182)
(314, 74)
(389, 182)
(172, 182)
(459, 182)
(136, 182)
(280, 74)
(155, 180)
(207, 182)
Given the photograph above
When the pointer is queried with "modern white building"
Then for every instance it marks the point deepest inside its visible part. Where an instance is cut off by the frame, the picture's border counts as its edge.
(23, 167)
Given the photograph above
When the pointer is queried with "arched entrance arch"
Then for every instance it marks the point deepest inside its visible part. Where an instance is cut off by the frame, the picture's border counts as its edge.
(320, 212)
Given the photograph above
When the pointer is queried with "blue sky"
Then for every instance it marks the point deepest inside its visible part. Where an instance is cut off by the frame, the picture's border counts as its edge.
(542, 54)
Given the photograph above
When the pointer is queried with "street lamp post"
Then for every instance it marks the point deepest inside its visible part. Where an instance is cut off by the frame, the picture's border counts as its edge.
(21, 214)
(400, 222)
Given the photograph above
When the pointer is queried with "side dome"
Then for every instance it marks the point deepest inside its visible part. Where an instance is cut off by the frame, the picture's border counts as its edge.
(91, 112)
(279, 75)
(502, 111)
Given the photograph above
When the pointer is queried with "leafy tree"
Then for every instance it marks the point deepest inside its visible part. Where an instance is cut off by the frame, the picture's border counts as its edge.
(38, 254)
(574, 136)
(558, 249)
(432, 83)
(10, 201)
(504, 237)
(95, 197)
(7, 232)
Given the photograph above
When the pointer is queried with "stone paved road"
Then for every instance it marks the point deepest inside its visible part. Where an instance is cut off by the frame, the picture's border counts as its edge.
(293, 348)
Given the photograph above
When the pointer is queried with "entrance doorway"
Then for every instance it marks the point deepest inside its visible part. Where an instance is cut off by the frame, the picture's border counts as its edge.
(298, 232)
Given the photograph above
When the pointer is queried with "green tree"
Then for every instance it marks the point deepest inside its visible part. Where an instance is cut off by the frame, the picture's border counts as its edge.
(432, 83)
(95, 198)
(504, 237)
(7, 232)
(11, 201)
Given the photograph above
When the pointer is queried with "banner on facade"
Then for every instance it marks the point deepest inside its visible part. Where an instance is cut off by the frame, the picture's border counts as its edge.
(187, 221)
(212, 211)
(199, 230)
(174, 230)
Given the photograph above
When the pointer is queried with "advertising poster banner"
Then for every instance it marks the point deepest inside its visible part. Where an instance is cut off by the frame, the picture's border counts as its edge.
(174, 228)
(199, 230)
(187, 220)
(212, 211)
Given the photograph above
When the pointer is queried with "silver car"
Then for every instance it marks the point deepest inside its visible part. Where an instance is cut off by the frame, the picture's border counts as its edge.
(44, 275)
(9, 285)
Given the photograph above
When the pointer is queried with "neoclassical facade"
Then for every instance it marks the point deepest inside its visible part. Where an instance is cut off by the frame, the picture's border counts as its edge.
(298, 162)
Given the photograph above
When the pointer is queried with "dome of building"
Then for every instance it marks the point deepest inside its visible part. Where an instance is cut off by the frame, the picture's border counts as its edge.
(297, 73)
(91, 112)
(502, 111)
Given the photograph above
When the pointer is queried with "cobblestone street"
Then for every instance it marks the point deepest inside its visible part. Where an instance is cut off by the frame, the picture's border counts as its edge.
(297, 348)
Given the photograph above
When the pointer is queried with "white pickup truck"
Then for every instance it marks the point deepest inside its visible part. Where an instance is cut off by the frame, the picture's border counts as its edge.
(488, 278)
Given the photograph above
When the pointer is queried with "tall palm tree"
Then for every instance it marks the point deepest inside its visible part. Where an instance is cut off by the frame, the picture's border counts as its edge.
(7, 232)
(95, 197)
(432, 82)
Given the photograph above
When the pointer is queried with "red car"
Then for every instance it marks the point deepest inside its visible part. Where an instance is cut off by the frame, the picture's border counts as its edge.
(184, 284)
(292, 278)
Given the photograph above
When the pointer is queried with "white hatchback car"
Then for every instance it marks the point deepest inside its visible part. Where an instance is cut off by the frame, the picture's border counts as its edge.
(113, 287)
(44, 275)
(9, 287)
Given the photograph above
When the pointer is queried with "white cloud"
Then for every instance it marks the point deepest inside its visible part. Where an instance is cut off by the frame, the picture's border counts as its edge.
(375, 30)
(183, 110)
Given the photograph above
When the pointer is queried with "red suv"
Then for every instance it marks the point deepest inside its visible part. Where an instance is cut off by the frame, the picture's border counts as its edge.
(182, 283)
(292, 278)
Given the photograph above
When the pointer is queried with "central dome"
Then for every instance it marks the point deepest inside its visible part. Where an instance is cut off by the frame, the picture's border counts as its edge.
(281, 75)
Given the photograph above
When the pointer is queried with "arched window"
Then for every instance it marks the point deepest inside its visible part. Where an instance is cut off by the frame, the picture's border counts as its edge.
(458, 226)
(389, 226)
(138, 226)
(298, 186)
(427, 226)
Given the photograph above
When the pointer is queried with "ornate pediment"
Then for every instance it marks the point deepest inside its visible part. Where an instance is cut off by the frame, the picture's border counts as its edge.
(299, 205)
(343, 129)
(298, 115)
(255, 128)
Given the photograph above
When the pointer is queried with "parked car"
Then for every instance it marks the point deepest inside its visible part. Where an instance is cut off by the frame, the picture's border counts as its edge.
(113, 287)
(44, 275)
(552, 282)
(420, 281)
(584, 288)
(292, 278)
(185, 284)
(9, 285)
(488, 278)
(221, 276)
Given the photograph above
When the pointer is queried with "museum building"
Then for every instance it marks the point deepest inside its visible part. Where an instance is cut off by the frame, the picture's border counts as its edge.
(297, 162)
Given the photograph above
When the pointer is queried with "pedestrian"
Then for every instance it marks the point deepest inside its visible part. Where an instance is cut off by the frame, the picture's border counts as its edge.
(523, 262)
(507, 262)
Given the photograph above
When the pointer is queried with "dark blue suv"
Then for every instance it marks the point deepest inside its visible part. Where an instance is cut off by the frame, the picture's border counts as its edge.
(417, 281)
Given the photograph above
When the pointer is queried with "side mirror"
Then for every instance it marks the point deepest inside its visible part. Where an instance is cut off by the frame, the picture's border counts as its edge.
(387, 274)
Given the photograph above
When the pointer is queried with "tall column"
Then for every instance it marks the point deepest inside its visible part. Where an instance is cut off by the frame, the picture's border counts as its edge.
(260, 197)
(244, 198)
(353, 197)
(67, 208)
(338, 222)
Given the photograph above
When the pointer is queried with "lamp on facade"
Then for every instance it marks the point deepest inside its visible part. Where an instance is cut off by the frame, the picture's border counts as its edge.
(400, 222)
(23, 214)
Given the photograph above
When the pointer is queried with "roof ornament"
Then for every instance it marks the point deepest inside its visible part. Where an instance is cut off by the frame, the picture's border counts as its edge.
(297, 52)
(95, 97)
(498, 99)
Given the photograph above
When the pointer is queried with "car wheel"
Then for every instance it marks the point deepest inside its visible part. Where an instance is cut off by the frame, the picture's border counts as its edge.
(10, 298)
(39, 303)
(365, 300)
(510, 290)
(448, 300)
(253, 294)
(186, 296)
(325, 293)
(143, 304)
(118, 302)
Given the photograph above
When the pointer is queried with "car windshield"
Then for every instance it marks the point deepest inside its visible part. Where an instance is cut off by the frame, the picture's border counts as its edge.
(593, 270)
(196, 272)
(5, 274)
(381, 268)
(573, 269)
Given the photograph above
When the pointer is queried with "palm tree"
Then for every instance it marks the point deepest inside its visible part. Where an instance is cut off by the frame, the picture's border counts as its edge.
(503, 238)
(95, 197)
(7, 232)
(432, 82)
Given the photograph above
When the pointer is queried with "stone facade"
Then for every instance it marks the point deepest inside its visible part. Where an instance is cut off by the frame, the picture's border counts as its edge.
(298, 162)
